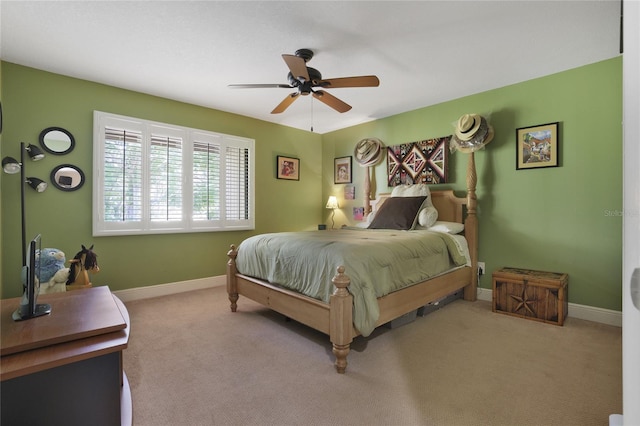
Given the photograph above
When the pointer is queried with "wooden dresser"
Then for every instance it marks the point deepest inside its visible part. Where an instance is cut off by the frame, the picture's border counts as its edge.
(66, 367)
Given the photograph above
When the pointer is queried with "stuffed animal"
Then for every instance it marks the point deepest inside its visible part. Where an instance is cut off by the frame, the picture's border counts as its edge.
(57, 283)
(51, 261)
(83, 262)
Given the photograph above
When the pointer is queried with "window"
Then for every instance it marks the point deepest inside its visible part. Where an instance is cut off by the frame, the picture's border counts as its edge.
(152, 178)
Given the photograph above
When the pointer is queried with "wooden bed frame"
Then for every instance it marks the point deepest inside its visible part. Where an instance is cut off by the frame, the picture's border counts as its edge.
(335, 318)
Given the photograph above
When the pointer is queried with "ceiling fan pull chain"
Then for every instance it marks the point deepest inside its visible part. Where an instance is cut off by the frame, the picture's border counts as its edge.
(311, 114)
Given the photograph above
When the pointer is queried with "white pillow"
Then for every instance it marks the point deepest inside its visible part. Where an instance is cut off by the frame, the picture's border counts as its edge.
(447, 227)
(428, 216)
(417, 190)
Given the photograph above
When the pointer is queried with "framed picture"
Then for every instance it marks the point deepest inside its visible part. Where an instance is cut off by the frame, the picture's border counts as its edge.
(349, 192)
(342, 170)
(537, 146)
(288, 168)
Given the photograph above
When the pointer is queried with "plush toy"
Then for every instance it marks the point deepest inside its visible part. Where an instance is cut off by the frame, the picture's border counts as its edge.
(83, 262)
(57, 283)
(51, 261)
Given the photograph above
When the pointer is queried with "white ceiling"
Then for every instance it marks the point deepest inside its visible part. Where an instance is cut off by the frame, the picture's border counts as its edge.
(424, 52)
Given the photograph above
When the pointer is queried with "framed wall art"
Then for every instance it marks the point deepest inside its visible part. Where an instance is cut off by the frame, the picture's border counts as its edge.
(288, 168)
(537, 146)
(349, 192)
(418, 162)
(342, 170)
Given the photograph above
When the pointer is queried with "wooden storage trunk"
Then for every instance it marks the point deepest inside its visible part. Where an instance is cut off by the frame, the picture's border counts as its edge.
(536, 295)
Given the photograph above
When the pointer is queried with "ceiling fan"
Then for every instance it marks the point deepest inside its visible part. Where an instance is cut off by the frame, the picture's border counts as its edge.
(309, 81)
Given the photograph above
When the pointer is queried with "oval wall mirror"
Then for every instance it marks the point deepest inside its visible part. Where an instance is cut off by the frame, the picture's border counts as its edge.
(67, 177)
(57, 140)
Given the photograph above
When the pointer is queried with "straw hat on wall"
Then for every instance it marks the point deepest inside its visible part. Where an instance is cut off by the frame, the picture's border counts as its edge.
(472, 133)
(369, 152)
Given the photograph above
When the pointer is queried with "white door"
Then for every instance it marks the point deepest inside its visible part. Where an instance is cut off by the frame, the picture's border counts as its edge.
(631, 218)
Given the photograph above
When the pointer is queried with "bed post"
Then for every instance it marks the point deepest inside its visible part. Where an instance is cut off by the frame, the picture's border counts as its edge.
(471, 228)
(232, 284)
(340, 319)
(367, 191)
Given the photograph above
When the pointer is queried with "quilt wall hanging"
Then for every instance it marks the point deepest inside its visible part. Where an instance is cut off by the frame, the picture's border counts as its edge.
(418, 162)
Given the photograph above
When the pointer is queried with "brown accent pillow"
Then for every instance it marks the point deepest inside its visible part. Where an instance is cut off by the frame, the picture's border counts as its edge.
(398, 213)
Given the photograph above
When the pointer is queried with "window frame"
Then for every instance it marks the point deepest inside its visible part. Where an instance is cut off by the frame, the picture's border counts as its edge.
(101, 227)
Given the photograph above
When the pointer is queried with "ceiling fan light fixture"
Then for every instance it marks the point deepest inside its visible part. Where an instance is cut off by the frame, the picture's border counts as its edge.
(305, 79)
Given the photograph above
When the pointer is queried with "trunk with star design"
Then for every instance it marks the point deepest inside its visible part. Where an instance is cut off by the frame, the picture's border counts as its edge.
(536, 295)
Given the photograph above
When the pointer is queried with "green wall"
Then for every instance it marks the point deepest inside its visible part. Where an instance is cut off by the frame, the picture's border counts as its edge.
(564, 219)
(33, 100)
(558, 219)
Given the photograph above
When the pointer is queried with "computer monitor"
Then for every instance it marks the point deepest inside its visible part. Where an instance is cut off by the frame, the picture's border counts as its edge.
(29, 308)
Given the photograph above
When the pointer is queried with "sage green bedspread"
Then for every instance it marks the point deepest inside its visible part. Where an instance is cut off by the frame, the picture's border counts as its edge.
(378, 262)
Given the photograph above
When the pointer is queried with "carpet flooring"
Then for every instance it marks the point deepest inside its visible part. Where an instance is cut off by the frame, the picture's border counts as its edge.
(191, 361)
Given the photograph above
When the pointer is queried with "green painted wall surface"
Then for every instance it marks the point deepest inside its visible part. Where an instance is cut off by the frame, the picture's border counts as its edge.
(33, 100)
(1, 177)
(561, 219)
(565, 219)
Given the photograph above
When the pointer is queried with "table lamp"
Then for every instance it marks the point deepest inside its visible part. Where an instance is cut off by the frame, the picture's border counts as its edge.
(332, 203)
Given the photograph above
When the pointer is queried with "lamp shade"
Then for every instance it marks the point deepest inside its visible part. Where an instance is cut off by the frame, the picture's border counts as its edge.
(37, 184)
(10, 165)
(35, 153)
(332, 202)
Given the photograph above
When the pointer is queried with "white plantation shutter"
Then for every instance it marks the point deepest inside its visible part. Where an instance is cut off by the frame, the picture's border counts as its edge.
(236, 207)
(156, 178)
(123, 175)
(165, 178)
(206, 181)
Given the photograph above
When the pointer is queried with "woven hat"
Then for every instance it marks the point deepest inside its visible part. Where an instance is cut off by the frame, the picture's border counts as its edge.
(472, 133)
(368, 152)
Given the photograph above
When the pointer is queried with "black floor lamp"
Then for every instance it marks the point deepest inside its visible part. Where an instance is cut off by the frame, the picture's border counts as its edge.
(11, 166)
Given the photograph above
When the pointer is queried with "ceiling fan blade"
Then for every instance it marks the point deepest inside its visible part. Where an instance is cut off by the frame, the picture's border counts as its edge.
(259, 86)
(297, 66)
(361, 81)
(331, 100)
(285, 103)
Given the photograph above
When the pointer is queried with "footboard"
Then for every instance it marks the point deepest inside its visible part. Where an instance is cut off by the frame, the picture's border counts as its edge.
(334, 319)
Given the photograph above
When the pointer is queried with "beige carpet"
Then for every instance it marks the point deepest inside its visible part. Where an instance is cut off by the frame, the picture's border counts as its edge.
(190, 361)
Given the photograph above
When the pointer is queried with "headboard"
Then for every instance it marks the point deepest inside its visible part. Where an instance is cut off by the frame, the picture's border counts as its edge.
(450, 207)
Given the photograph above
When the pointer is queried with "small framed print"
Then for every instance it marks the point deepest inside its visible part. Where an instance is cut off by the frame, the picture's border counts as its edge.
(537, 146)
(288, 168)
(349, 192)
(342, 170)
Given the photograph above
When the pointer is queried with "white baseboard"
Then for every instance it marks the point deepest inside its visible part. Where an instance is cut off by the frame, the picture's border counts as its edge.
(169, 288)
(589, 313)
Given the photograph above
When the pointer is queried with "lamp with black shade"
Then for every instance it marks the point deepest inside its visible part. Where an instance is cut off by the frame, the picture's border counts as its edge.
(28, 307)
(11, 166)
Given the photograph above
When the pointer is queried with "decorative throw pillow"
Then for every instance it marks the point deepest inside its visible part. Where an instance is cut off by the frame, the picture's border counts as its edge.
(427, 216)
(398, 213)
(417, 190)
